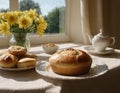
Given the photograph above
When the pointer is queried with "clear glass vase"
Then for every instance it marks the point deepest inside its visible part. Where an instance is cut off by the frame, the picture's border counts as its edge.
(20, 39)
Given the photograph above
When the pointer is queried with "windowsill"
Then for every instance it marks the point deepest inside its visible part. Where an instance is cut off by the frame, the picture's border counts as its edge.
(36, 40)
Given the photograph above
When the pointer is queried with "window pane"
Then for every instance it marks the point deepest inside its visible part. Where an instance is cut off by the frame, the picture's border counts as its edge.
(4, 5)
(52, 10)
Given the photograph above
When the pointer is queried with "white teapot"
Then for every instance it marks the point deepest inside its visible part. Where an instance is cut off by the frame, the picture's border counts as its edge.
(101, 41)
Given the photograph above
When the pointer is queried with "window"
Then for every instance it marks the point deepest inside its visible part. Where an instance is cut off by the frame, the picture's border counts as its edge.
(4, 5)
(53, 12)
(57, 30)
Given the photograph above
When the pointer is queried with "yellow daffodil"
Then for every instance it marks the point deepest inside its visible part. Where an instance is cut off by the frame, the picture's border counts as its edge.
(11, 17)
(40, 31)
(1, 15)
(24, 22)
(4, 28)
(41, 28)
(19, 13)
(41, 24)
(40, 19)
(32, 14)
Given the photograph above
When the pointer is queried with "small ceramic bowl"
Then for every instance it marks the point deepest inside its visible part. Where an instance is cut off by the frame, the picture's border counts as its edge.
(50, 48)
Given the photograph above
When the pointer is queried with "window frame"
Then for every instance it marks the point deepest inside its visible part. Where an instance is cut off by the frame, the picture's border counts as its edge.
(35, 39)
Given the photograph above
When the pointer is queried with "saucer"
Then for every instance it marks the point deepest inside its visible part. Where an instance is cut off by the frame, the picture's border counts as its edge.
(90, 49)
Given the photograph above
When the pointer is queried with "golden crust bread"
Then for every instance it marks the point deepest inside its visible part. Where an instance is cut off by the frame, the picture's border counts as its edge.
(30, 55)
(17, 50)
(26, 62)
(8, 60)
(4, 52)
(17, 56)
(70, 62)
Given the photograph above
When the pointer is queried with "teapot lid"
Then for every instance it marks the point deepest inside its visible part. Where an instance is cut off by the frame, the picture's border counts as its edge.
(102, 33)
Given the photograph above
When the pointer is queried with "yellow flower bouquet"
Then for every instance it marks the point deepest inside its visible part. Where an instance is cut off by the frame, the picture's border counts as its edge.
(20, 22)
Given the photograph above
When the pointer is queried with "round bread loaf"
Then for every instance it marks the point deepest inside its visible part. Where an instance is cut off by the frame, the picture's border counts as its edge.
(17, 50)
(26, 62)
(70, 62)
(8, 60)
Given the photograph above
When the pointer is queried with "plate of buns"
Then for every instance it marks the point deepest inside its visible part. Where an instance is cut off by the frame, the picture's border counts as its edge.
(16, 58)
(71, 64)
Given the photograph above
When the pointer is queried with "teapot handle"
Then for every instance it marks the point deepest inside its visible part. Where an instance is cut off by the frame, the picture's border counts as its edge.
(113, 41)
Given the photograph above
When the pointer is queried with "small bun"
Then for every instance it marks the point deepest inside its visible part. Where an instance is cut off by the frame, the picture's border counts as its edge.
(8, 60)
(30, 55)
(17, 50)
(26, 62)
(70, 62)
(4, 52)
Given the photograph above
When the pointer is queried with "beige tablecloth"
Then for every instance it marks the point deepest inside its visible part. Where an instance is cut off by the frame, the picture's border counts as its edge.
(30, 81)
(25, 81)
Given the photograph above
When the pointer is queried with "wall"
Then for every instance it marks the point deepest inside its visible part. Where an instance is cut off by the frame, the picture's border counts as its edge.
(111, 19)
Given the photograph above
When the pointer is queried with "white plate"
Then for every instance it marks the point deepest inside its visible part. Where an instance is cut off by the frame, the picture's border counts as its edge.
(90, 49)
(97, 69)
(17, 69)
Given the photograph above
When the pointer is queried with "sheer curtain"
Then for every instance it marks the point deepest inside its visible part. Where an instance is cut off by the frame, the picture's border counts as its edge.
(97, 14)
(91, 18)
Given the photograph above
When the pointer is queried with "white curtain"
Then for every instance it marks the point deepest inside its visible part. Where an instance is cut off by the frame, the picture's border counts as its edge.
(91, 18)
